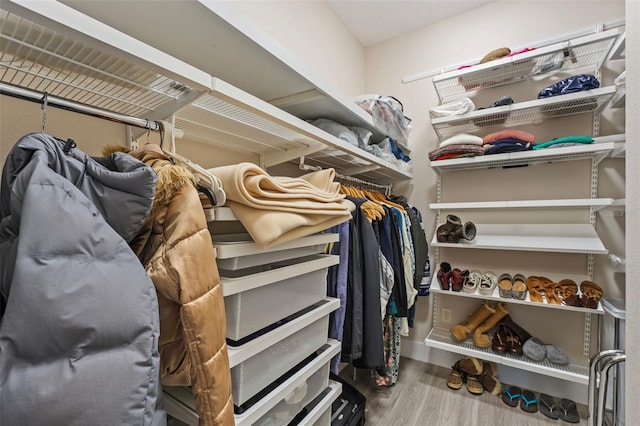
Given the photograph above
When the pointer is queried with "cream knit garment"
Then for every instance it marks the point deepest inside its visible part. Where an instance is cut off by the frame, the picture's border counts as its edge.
(279, 209)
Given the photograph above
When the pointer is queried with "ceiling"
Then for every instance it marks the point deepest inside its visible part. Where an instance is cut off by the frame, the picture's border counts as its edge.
(374, 21)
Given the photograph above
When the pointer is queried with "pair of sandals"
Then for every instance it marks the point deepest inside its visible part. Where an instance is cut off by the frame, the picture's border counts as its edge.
(564, 292)
(564, 409)
(483, 282)
(512, 286)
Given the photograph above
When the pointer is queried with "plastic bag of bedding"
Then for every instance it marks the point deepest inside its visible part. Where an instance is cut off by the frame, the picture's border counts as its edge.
(576, 83)
(388, 115)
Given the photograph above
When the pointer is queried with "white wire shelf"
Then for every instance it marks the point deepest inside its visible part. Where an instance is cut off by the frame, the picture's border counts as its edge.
(560, 238)
(239, 121)
(590, 50)
(217, 39)
(91, 64)
(596, 150)
(495, 296)
(529, 112)
(596, 203)
(576, 371)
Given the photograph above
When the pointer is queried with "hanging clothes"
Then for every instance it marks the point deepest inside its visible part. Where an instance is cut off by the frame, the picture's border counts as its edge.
(176, 249)
(365, 327)
(79, 320)
(337, 286)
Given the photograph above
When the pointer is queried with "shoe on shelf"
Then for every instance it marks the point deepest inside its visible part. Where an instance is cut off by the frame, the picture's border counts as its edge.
(473, 281)
(480, 338)
(505, 286)
(444, 276)
(460, 331)
(488, 282)
(519, 287)
(458, 279)
(591, 294)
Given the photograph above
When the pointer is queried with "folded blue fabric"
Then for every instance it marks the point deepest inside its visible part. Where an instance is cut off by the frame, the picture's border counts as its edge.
(576, 83)
(503, 147)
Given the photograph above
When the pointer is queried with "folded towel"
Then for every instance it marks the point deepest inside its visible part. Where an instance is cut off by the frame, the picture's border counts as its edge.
(279, 209)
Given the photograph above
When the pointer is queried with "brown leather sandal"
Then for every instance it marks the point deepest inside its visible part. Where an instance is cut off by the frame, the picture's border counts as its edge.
(549, 291)
(567, 292)
(591, 294)
(536, 290)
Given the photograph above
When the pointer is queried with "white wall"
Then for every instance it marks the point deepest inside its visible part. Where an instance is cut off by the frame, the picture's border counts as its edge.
(314, 34)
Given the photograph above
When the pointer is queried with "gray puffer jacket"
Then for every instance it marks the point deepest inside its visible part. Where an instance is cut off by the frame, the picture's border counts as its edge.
(78, 314)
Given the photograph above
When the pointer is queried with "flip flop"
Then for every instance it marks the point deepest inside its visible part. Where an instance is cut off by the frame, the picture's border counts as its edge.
(548, 406)
(569, 411)
(528, 401)
(511, 396)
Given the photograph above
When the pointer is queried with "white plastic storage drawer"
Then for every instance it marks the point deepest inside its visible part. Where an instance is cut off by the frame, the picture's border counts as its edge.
(180, 404)
(259, 362)
(285, 410)
(238, 251)
(266, 294)
(319, 412)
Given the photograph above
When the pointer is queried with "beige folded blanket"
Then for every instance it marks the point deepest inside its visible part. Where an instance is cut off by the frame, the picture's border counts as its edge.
(279, 209)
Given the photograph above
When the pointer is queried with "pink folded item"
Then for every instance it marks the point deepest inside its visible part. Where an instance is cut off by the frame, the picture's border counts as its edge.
(509, 134)
(279, 209)
(525, 50)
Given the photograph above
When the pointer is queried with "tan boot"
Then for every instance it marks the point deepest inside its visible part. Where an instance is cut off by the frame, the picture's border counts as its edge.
(477, 317)
(480, 338)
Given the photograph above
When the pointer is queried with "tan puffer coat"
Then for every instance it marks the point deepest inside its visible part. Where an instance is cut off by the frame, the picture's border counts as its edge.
(176, 249)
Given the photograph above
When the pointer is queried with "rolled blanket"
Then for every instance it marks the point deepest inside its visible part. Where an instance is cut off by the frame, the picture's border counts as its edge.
(279, 209)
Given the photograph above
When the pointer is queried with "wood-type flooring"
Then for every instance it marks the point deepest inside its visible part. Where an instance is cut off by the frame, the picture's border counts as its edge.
(422, 398)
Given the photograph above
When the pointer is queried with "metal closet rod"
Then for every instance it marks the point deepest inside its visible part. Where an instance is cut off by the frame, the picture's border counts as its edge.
(40, 97)
(307, 167)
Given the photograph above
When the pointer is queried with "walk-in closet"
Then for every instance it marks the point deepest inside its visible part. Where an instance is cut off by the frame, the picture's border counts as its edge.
(319, 212)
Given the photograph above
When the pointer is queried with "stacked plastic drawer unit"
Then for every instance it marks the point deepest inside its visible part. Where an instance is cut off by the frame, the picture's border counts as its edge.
(277, 325)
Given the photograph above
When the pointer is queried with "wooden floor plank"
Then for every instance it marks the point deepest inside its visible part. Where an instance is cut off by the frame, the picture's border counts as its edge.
(421, 397)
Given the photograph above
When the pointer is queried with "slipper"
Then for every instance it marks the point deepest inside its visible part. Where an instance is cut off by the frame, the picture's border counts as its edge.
(556, 355)
(528, 402)
(511, 396)
(505, 286)
(569, 411)
(519, 290)
(548, 406)
(534, 349)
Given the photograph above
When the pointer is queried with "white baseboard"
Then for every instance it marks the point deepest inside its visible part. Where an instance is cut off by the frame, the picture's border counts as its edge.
(513, 376)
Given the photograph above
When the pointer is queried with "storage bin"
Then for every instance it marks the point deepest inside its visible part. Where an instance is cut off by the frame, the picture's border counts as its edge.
(180, 403)
(238, 251)
(285, 410)
(259, 362)
(263, 295)
(318, 411)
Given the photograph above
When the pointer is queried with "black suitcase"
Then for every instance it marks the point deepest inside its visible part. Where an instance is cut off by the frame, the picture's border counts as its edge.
(348, 409)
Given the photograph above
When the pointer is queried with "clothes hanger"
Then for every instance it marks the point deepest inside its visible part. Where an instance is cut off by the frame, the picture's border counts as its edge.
(205, 179)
